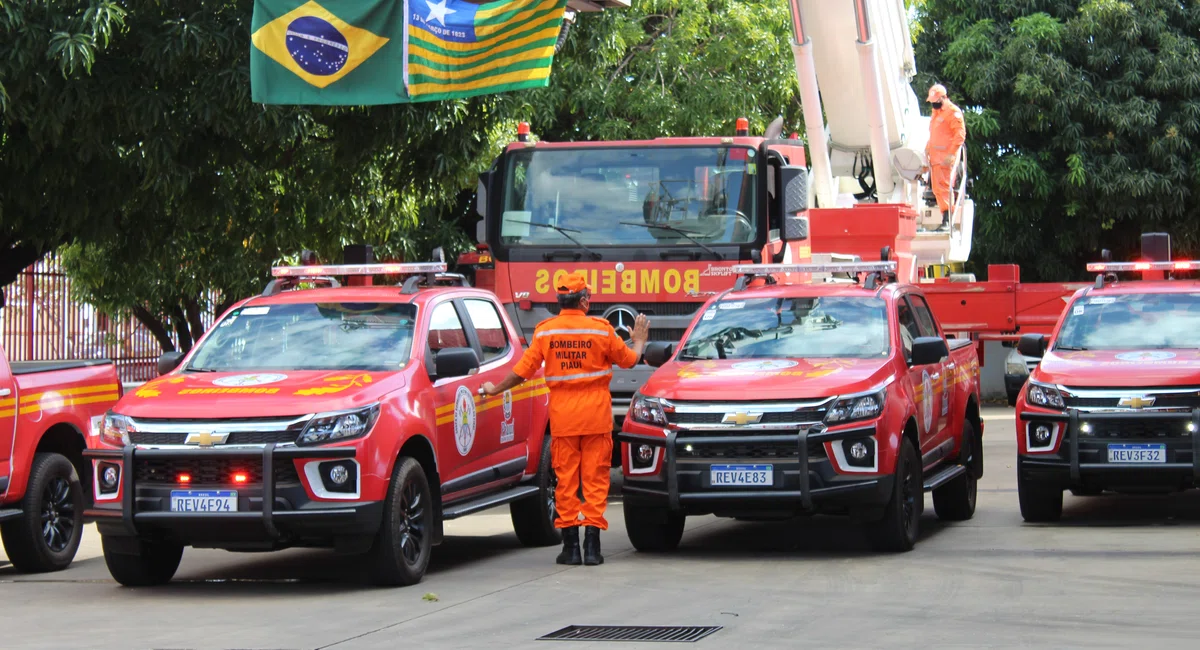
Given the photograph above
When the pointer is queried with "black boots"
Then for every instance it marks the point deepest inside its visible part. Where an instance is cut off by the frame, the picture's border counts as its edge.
(570, 552)
(945, 220)
(591, 547)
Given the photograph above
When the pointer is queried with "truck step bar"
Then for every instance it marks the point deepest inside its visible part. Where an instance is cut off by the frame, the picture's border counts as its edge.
(488, 501)
(944, 476)
(10, 513)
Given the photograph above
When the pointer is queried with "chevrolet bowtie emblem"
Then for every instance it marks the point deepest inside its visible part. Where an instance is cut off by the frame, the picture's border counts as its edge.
(206, 439)
(1137, 402)
(741, 419)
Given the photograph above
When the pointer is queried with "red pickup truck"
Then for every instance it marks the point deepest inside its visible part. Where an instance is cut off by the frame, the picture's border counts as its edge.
(47, 411)
(1115, 402)
(338, 416)
(789, 398)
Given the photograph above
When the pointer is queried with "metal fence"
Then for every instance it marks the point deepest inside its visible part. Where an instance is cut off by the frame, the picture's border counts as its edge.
(42, 322)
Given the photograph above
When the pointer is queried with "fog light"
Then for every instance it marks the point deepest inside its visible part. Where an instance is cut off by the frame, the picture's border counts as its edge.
(1041, 435)
(858, 451)
(339, 474)
(645, 453)
(110, 477)
(1085, 429)
(687, 448)
(1191, 427)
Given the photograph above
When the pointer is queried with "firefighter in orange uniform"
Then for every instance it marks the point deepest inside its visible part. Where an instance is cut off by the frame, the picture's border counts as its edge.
(947, 132)
(579, 352)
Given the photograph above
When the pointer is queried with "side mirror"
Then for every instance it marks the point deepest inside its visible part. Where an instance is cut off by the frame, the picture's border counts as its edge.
(455, 362)
(1032, 345)
(439, 255)
(795, 228)
(793, 183)
(658, 353)
(481, 195)
(169, 361)
(929, 349)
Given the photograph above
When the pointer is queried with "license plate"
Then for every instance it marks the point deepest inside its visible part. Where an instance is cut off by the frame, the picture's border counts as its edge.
(1137, 453)
(742, 475)
(204, 501)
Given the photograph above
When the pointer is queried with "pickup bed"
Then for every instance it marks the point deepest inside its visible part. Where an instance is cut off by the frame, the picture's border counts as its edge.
(788, 399)
(47, 410)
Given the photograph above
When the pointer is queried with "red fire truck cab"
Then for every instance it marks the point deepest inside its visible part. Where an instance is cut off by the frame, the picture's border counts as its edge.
(338, 416)
(791, 398)
(1115, 402)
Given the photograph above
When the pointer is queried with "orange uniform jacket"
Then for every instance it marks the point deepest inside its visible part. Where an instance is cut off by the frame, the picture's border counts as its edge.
(947, 132)
(579, 352)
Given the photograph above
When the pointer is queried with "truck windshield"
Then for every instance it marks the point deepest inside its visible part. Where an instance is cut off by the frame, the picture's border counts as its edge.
(1132, 321)
(813, 328)
(615, 196)
(316, 336)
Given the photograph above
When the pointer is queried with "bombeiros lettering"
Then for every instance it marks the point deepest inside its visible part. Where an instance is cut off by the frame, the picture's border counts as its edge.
(626, 282)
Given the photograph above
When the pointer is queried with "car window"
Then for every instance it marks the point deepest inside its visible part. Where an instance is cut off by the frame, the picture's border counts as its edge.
(445, 329)
(909, 330)
(493, 340)
(924, 317)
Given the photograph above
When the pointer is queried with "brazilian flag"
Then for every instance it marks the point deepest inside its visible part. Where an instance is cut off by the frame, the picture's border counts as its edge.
(364, 52)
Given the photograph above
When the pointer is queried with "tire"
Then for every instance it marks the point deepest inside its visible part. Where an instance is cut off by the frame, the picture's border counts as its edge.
(653, 529)
(1086, 492)
(46, 536)
(900, 526)
(533, 518)
(404, 542)
(955, 501)
(155, 564)
(1040, 503)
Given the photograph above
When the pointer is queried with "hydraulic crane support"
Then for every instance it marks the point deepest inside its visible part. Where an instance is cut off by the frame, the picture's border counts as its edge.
(814, 121)
(880, 151)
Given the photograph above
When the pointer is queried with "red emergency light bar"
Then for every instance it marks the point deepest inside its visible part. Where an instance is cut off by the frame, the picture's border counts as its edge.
(1111, 267)
(832, 267)
(357, 269)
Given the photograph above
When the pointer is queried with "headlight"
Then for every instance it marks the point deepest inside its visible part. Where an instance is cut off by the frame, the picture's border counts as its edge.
(340, 425)
(647, 410)
(856, 407)
(1044, 395)
(115, 430)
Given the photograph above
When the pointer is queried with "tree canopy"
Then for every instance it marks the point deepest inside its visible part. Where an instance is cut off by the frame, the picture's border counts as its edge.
(1082, 119)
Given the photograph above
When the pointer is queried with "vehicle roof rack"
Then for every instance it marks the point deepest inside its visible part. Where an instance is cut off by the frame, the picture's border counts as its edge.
(413, 284)
(287, 277)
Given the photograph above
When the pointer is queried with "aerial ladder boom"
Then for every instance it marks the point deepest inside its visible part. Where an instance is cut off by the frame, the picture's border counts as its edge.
(855, 59)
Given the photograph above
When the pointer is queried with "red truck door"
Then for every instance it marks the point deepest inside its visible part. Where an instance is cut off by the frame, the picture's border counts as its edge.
(500, 355)
(924, 381)
(8, 421)
(943, 382)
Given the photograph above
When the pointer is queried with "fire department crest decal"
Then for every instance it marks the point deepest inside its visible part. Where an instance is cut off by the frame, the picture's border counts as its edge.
(249, 380)
(508, 430)
(1145, 355)
(464, 420)
(767, 364)
(927, 401)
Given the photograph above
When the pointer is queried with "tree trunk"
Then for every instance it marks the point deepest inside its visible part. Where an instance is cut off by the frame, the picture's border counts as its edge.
(16, 258)
(193, 318)
(179, 321)
(156, 327)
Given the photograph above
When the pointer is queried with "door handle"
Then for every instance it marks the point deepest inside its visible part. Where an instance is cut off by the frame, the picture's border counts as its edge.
(5, 392)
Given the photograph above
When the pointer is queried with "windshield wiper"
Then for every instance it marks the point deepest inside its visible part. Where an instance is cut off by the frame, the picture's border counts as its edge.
(562, 231)
(1068, 348)
(194, 369)
(680, 231)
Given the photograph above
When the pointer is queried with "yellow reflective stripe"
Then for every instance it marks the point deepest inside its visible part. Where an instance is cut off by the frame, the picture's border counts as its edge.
(55, 403)
(445, 414)
(519, 391)
(82, 390)
(581, 332)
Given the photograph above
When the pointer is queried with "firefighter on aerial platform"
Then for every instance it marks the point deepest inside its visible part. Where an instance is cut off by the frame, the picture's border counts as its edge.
(579, 352)
(947, 132)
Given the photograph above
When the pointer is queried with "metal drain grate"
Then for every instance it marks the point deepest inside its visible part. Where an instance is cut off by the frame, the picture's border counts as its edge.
(658, 633)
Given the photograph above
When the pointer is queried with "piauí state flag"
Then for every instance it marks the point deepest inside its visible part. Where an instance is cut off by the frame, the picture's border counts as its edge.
(363, 52)
(458, 48)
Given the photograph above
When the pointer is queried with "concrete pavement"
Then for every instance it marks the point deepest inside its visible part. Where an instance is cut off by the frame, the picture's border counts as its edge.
(1116, 572)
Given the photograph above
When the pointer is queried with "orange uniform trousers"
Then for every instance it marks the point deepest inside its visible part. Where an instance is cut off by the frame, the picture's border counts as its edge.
(940, 180)
(586, 459)
(947, 132)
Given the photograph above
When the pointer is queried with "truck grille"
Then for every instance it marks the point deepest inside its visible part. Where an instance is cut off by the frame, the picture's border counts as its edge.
(733, 450)
(792, 414)
(1111, 398)
(211, 471)
(1133, 429)
(235, 438)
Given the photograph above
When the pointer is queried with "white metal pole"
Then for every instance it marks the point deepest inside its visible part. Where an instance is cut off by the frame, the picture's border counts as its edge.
(881, 152)
(814, 119)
